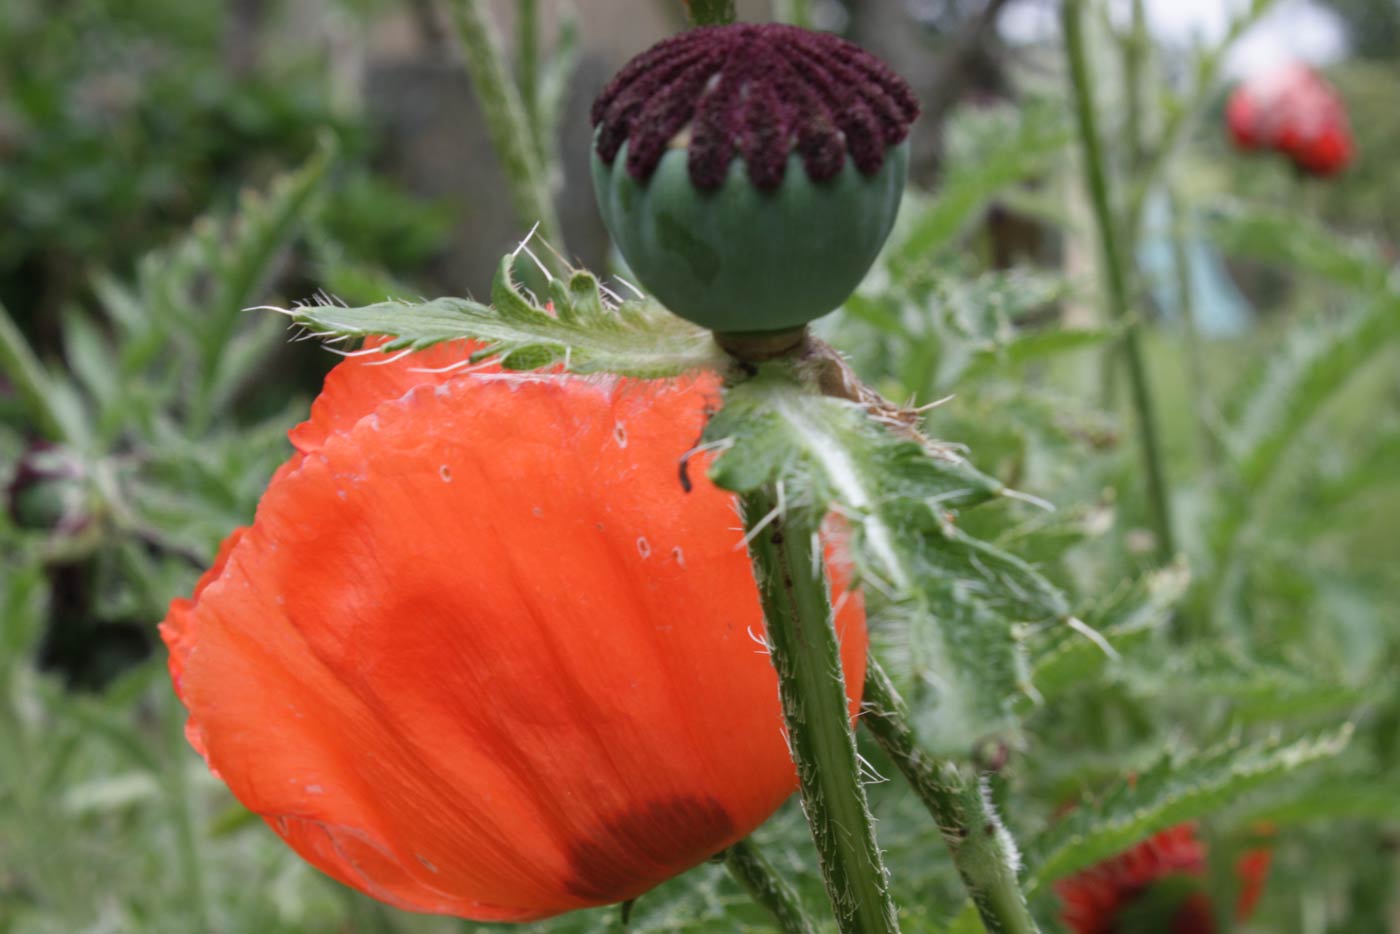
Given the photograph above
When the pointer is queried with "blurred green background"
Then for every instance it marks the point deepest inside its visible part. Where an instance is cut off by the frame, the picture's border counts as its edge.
(165, 164)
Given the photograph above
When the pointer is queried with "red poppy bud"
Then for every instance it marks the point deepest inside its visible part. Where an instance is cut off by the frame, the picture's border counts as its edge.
(1292, 110)
(1095, 900)
(1104, 898)
(1242, 119)
(480, 654)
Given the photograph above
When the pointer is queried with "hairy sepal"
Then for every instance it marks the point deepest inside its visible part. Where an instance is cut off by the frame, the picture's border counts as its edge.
(579, 329)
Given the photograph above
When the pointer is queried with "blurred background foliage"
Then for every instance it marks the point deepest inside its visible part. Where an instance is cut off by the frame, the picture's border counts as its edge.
(165, 164)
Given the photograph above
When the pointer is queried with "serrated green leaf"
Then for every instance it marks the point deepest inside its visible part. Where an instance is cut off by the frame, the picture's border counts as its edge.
(949, 603)
(638, 338)
(1065, 658)
(1177, 789)
(1258, 690)
(1298, 383)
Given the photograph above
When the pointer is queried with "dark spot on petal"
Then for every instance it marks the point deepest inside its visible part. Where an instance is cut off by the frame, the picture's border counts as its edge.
(637, 850)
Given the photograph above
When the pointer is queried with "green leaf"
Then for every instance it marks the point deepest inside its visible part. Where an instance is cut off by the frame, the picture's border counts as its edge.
(1299, 381)
(948, 605)
(1259, 690)
(1177, 789)
(996, 149)
(1033, 347)
(1297, 244)
(1066, 658)
(583, 330)
(1373, 798)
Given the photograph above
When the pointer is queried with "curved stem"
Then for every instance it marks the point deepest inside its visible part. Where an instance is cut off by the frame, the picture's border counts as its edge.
(1115, 272)
(981, 848)
(758, 877)
(511, 132)
(26, 374)
(789, 567)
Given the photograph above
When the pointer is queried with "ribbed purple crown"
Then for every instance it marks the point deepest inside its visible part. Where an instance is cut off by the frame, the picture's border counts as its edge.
(761, 90)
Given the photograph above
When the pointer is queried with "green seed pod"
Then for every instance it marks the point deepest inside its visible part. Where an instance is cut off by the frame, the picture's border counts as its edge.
(750, 174)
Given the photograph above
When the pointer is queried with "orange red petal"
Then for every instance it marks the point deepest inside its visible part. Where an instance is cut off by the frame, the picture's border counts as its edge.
(480, 654)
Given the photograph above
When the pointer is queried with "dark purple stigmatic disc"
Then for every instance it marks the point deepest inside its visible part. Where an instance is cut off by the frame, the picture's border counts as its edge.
(761, 91)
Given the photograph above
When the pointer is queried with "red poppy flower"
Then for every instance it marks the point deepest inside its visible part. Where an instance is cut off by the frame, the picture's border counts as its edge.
(1103, 898)
(1292, 110)
(480, 654)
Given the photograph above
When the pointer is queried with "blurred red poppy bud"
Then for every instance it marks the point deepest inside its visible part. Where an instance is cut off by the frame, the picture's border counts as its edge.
(1156, 885)
(48, 490)
(1292, 110)
(480, 654)
(749, 174)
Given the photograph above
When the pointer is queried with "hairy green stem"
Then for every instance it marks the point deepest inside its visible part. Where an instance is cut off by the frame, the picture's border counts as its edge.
(1115, 274)
(758, 877)
(710, 12)
(507, 122)
(982, 850)
(26, 374)
(789, 567)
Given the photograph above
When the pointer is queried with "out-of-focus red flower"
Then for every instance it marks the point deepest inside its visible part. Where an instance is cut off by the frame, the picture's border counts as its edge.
(1294, 111)
(480, 654)
(1097, 900)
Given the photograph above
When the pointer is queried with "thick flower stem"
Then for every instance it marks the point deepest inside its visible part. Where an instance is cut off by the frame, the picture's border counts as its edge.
(26, 374)
(710, 12)
(788, 565)
(507, 122)
(1115, 272)
(758, 877)
(982, 849)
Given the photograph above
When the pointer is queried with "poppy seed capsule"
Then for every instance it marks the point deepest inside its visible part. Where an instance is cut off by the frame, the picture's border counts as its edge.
(750, 174)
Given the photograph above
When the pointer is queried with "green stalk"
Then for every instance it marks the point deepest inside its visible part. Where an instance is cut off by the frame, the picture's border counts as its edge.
(506, 119)
(710, 12)
(1135, 49)
(1180, 120)
(981, 848)
(789, 567)
(758, 877)
(182, 799)
(527, 67)
(1186, 308)
(26, 374)
(794, 12)
(1116, 278)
